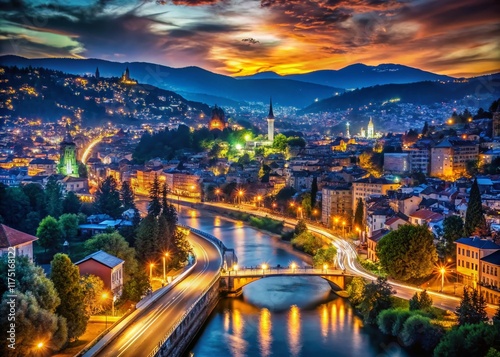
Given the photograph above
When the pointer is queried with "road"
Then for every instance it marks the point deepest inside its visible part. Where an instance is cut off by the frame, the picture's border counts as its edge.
(142, 336)
(347, 259)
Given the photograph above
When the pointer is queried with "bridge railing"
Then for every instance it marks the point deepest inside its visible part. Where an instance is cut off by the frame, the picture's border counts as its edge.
(258, 271)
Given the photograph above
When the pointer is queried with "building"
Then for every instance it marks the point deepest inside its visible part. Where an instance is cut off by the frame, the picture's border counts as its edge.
(470, 251)
(67, 160)
(419, 159)
(41, 166)
(107, 267)
(396, 163)
(366, 187)
(496, 122)
(125, 78)
(270, 122)
(449, 157)
(12, 240)
(489, 282)
(372, 243)
(218, 119)
(370, 130)
(336, 202)
(182, 183)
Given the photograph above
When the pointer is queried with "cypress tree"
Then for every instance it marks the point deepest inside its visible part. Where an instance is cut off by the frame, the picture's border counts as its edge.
(146, 242)
(474, 218)
(154, 208)
(107, 198)
(127, 196)
(314, 191)
(358, 215)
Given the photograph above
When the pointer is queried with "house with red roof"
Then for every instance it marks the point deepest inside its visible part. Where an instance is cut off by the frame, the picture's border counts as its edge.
(107, 267)
(13, 240)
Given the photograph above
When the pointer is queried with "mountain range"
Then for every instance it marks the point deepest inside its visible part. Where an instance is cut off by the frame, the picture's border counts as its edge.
(359, 76)
(193, 83)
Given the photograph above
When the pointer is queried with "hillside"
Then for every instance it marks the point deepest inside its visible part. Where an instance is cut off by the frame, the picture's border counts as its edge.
(192, 82)
(417, 93)
(359, 76)
(49, 95)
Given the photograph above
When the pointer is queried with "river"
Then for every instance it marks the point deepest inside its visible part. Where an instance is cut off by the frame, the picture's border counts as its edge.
(281, 316)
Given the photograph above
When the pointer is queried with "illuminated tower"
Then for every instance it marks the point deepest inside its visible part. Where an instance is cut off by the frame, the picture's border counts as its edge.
(370, 134)
(97, 74)
(363, 133)
(67, 161)
(270, 122)
(347, 133)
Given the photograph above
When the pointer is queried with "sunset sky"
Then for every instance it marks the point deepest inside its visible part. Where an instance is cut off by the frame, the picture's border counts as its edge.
(240, 37)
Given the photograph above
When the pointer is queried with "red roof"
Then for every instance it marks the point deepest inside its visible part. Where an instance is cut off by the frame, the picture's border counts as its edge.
(10, 237)
(427, 215)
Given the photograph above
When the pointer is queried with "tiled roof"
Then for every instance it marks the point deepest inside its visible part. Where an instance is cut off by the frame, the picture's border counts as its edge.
(104, 258)
(10, 237)
(493, 258)
(426, 215)
(478, 243)
(378, 235)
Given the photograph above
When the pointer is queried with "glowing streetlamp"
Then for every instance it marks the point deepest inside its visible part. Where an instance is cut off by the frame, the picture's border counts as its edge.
(240, 194)
(264, 267)
(259, 198)
(325, 267)
(235, 269)
(151, 272)
(442, 271)
(40, 345)
(293, 266)
(217, 193)
(104, 297)
(343, 229)
(164, 258)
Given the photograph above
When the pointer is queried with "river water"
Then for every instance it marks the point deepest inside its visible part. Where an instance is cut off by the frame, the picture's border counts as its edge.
(281, 316)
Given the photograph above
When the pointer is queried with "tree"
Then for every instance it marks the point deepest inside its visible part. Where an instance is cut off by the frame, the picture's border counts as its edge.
(49, 233)
(127, 196)
(418, 331)
(376, 297)
(280, 142)
(307, 243)
(469, 340)
(300, 227)
(355, 290)
(474, 217)
(146, 241)
(453, 227)
(154, 207)
(107, 198)
(53, 197)
(92, 289)
(36, 197)
(496, 317)
(472, 308)
(306, 204)
(408, 252)
(325, 256)
(71, 203)
(314, 191)
(69, 225)
(359, 214)
(420, 301)
(31, 222)
(17, 207)
(387, 318)
(66, 278)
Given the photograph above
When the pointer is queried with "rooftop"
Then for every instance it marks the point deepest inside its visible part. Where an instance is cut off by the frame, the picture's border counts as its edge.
(478, 243)
(10, 237)
(104, 258)
(493, 258)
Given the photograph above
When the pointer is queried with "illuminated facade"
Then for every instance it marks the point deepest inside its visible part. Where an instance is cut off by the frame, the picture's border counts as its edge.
(370, 131)
(270, 122)
(218, 119)
(67, 161)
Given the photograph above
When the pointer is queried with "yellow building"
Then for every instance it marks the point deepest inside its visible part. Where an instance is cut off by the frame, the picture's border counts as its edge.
(366, 187)
(449, 157)
(489, 284)
(470, 251)
(336, 201)
(183, 183)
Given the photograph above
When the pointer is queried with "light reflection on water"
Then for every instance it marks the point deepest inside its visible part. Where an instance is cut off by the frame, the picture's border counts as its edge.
(281, 316)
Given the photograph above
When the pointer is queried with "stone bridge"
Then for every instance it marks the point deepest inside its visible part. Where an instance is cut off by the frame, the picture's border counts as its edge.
(232, 282)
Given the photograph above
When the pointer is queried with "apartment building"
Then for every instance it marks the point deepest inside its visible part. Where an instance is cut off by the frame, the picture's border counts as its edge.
(449, 157)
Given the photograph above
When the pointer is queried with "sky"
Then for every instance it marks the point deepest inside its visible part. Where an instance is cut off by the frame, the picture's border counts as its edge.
(243, 37)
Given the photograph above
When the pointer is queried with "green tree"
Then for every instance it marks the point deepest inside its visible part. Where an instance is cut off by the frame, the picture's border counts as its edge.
(306, 204)
(146, 241)
(359, 214)
(325, 256)
(53, 197)
(376, 297)
(92, 289)
(421, 301)
(408, 252)
(418, 331)
(69, 225)
(496, 317)
(474, 217)
(280, 142)
(469, 340)
(107, 198)
(49, 234)
(31, 222)
(66, 278)
(386, 320)
(314, 191)
(300, 227)
(127, 196)
(453, 227)
(355, 290)
(472, 308)
(17, 207)
(71, 203)
(36, 197)
(154, 208)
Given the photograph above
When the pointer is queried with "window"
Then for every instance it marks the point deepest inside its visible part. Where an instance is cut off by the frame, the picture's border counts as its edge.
(467, 265)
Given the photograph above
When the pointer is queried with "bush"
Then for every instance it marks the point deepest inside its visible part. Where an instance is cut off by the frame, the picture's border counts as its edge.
(418, 331)
(307, 242)
(386, 320)
(469, 340)
(355, 290)
(401, 319)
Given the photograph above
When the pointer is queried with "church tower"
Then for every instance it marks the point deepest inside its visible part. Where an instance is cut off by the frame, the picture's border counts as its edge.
(270, 122)
(370, 133)
(97, 74)
(347, 133)
(67, 165)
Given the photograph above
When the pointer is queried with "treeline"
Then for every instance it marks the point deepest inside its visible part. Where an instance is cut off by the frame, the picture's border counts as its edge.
(423, 328)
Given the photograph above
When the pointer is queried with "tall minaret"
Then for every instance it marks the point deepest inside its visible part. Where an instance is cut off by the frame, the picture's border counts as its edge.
(97, 74)
(347, 135)
(270, 122)
(370, 130)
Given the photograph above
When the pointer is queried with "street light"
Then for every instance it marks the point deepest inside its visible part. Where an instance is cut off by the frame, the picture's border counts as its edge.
(217, 192)
(293, 267)
(240, 194)
(264, 267)
(166, 256)
(325, 267)
(151, 272)
(259, 197)
(235, 268)
(104, 297)
(442, 271)
(343, 229)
